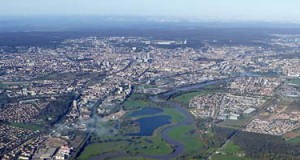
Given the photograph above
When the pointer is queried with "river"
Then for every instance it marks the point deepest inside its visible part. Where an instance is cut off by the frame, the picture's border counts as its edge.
(188, 120)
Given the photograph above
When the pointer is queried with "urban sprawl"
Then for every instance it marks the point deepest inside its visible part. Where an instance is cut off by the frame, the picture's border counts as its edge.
(93, 76)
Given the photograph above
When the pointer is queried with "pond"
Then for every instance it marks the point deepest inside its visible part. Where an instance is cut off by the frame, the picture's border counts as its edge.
(149, 124)
(146, 111)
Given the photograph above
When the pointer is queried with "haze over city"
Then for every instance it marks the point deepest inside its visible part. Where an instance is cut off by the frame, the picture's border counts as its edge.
(254, 10)
(149, 80)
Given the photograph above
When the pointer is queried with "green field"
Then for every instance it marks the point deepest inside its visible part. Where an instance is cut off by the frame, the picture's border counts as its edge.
(128, 105)
(192, 142)
(9, 84)
(295, 140)
(176, 116)
(147, 86)
(131, 158)
(186, 97)
(229, 157)
(33, 127)
(294, 81)
(231, 152)
(231, 148)
(152, 145)
(233, 124)
(96, 149)
(136, 101)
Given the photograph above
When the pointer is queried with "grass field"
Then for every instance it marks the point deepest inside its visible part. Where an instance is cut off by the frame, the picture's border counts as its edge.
(230, 152)
(136, 101)
(147, 86)
(33, 127)
(231, 148)
(294, 81)
(152, 145)
(133, 104)
(176, 116)
(131, 158)
(9, 84)
(229, 157)
(295, 140)
(233, 124)
(192, 142)
(186, 98)
(96, 149)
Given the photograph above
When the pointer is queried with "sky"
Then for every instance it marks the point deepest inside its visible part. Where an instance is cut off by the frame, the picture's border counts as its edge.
(261, 10)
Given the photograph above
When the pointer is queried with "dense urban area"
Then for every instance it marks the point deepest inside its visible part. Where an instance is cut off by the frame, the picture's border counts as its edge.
(91, 98)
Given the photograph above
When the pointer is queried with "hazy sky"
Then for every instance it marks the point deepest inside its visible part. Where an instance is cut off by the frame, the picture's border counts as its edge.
(205, 9)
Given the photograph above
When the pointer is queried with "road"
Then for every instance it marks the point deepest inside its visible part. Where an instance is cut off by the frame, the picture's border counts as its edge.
(266, 105)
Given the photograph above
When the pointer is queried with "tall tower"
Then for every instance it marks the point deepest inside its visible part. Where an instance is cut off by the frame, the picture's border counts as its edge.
(74, 104)
(185, 42)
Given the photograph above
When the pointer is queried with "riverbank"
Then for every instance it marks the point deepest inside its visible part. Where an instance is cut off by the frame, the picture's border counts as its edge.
(167, 142)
